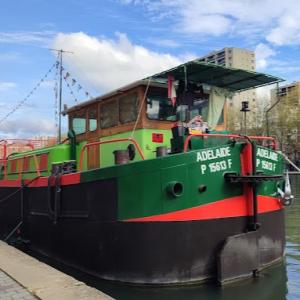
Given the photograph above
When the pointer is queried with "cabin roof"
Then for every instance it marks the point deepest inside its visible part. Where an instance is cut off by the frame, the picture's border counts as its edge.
(235, 80)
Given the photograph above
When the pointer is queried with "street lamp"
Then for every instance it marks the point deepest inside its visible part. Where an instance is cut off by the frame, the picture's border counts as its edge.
(245, 109)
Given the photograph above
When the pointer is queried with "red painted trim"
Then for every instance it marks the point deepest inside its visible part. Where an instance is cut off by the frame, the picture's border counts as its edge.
(227, 208)
(66, 179)
(10, 183)
(70, 179)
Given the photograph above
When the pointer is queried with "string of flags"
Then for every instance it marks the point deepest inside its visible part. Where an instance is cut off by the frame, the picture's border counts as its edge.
(19, 104)
(56, 92)
(72, 84)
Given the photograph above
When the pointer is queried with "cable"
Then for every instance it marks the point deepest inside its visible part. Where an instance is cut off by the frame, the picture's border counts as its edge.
(142, 104)
(74, 82)
(29, 94)
(56, 92)
(70, 90)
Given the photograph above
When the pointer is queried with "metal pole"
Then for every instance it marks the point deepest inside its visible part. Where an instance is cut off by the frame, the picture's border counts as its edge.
(60, 97)
(245, 123)
(61, 51)
(272, 106)
(245, 109)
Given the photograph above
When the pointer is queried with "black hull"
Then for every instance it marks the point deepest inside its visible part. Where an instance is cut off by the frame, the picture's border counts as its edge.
(157, 253)
(137, 252)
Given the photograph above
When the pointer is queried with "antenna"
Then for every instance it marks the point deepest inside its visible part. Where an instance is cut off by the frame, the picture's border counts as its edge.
(60, 53)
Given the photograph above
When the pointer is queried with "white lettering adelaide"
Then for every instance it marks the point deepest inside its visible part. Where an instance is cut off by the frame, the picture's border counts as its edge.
(211, 154)
(268, 154)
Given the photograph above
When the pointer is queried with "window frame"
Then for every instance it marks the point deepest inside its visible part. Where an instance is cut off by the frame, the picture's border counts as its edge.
(73, 116)
(97, 118)
(136, 97)
(100, 109)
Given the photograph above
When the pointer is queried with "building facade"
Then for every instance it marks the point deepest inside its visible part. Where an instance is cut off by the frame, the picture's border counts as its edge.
(240, 59)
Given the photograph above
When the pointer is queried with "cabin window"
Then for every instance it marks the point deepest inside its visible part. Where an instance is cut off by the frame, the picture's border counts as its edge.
(43, 162)
(160, 108)
(13, 165)
(26, 164)
(109, 114)
(199, 107)
(128, 107)
(79, 122)
(93, 122)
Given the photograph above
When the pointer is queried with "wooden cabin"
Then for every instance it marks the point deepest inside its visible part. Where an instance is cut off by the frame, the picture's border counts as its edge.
(137, 110)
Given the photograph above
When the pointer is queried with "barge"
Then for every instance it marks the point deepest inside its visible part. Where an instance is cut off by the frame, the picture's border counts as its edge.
(150, 187)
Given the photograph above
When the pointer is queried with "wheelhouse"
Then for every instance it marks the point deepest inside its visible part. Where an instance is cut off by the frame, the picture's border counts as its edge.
(147, 110)
(140, 118)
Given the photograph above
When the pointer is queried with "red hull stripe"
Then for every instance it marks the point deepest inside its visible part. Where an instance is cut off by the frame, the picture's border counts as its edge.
(230, 207)
(66, 179)
(10, 183)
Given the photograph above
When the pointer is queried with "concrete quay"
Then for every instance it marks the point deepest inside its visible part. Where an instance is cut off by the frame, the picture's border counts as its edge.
(23, 277)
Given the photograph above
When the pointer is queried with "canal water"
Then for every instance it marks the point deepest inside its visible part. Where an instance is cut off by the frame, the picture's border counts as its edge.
(276, 283)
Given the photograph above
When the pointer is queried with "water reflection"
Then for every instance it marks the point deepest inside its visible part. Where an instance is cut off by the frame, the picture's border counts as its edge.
(271, 284)
(293, 243)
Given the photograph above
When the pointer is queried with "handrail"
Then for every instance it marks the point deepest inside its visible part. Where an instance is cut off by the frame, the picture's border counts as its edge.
(232, 136)
(109, 142)
(266, 138)
(20, 161)
(4, 149)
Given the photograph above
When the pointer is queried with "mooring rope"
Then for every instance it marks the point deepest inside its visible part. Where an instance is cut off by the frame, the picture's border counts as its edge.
(290, 162)
(10, 195)
(18, 190)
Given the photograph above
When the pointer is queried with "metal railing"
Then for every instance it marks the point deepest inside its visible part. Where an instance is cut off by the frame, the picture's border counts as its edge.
(86, 146)
(20, 163)
(231, 136)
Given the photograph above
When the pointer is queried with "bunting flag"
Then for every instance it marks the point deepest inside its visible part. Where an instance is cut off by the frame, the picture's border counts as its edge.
(72, 82)
(171, 90)
(67, 75)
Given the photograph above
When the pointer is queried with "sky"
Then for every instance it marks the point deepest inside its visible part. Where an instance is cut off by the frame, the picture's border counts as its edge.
(114, 42)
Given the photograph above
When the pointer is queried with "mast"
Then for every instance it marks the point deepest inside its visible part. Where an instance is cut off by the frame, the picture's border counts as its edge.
(60, 98)
(60, 54)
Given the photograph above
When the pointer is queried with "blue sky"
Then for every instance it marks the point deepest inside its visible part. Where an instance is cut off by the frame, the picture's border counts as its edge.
(117, 41)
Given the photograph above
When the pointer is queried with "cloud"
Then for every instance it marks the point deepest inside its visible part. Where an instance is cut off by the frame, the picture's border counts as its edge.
(287, 31)
(164, 42)
(27, 127)
(4, 86)
(43, 38)
(262, 53)
(108, 63)
(194, 22)
(277, 21)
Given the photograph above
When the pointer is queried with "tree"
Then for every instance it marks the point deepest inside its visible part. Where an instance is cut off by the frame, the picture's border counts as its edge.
(284, 122)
